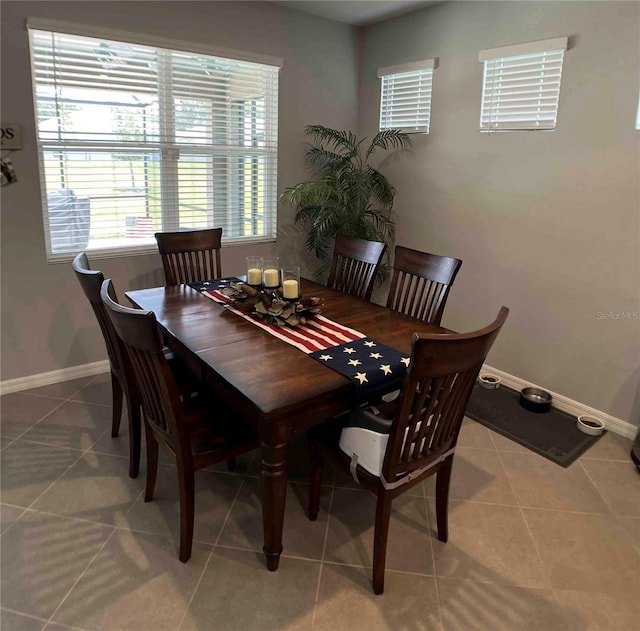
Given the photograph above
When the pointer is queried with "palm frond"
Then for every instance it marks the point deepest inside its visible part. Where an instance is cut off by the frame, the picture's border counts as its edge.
(307, 213)
(307, 193)
(325, 160)
(383, 223)
(349, 196)
(381, 190)
(389, 138)
(335, 138)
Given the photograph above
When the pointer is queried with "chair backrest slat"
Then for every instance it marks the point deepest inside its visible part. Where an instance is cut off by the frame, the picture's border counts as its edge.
(434, 396)
(355, 265)
(190, 255)
(420, 283)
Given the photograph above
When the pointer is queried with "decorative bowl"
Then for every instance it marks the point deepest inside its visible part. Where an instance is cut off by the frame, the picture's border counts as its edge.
(535, 399)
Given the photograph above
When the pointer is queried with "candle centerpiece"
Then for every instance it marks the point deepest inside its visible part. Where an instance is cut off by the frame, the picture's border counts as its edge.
(254, 271)
(283, 306)
(291, 283)
(270, 272)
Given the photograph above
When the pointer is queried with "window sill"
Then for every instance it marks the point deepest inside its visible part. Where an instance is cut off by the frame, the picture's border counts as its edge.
(144, 249)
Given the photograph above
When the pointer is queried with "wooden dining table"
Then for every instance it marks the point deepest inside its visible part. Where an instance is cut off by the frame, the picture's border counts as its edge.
(278, 388)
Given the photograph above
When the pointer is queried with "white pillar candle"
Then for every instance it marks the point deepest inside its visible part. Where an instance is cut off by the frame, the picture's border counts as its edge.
(290, 289)
(254, 276)
(271, 278)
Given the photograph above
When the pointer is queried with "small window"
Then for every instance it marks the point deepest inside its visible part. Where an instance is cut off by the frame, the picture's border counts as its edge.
(135, 138)
(405, 100)
(521, 85)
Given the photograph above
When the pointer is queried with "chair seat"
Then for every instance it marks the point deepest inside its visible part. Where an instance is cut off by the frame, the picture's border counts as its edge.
(211, 441)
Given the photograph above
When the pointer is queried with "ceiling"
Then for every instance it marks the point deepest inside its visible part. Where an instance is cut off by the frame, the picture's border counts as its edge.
(356, 12)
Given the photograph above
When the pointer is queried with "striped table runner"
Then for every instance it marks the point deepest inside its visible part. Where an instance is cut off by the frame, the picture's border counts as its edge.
(369, 364)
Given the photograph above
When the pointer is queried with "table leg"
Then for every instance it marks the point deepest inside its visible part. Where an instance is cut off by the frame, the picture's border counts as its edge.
(273, 474)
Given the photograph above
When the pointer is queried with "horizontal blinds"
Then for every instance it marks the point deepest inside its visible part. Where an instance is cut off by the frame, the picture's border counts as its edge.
(405, 101)
(135, 139)
(521, 92)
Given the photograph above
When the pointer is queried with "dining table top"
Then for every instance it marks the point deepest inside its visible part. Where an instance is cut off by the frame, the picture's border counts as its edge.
(265, 376)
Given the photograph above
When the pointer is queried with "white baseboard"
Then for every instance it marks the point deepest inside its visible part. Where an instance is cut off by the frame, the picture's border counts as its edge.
(54, 376)
(616, 425)
(564, 404)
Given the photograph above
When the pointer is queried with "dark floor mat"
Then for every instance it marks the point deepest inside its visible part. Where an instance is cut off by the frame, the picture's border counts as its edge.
(552, 434)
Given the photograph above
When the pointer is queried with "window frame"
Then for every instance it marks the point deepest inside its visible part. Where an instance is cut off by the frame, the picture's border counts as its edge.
(413, 70)
(509, 55)
(177, 46)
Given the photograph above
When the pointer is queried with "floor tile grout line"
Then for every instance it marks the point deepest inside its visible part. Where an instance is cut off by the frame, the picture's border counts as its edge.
(465, 447)
(75, 462)
(209, 557)
(63, 399)
(43, 492)
(495, 446)
(93, 558)
(102, 405)
(95, 378)
(20, 516)
(595, 486)
(11, 441)
(433, 554)
(472, 501)
(547, 574)
(57, 407)
(259, 551)
(37, 442)
(25, 615)
(324, 549)
(370, 567)
(627, 534)
(521, 505)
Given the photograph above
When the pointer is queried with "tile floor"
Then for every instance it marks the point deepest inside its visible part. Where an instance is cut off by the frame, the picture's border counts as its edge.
(531, 546)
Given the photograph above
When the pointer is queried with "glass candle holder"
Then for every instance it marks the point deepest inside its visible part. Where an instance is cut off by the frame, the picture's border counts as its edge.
(254, 271)
(291, 283)
(270, 273)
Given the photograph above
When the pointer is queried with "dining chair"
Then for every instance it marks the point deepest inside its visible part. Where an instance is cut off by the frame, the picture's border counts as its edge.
(388, 455)
(190, 255)
(122, 380)
(355, 265)
(421, 283)
(194, 432)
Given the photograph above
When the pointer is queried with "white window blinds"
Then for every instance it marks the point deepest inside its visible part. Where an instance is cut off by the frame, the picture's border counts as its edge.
(135, 139)
(405, 99)
(521, 85)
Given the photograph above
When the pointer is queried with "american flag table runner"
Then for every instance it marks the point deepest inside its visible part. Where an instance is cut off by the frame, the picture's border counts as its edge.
(211, 288)
(372, 366)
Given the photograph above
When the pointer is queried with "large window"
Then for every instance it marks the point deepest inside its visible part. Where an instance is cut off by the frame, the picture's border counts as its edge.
(405, 96)
(521, 85)
(136, 138)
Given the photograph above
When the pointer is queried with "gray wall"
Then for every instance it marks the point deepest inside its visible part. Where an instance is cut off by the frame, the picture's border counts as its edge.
(545, 222)
(46, 322)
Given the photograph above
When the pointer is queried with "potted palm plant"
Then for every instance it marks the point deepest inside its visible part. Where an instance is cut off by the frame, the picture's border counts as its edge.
(348, 197)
